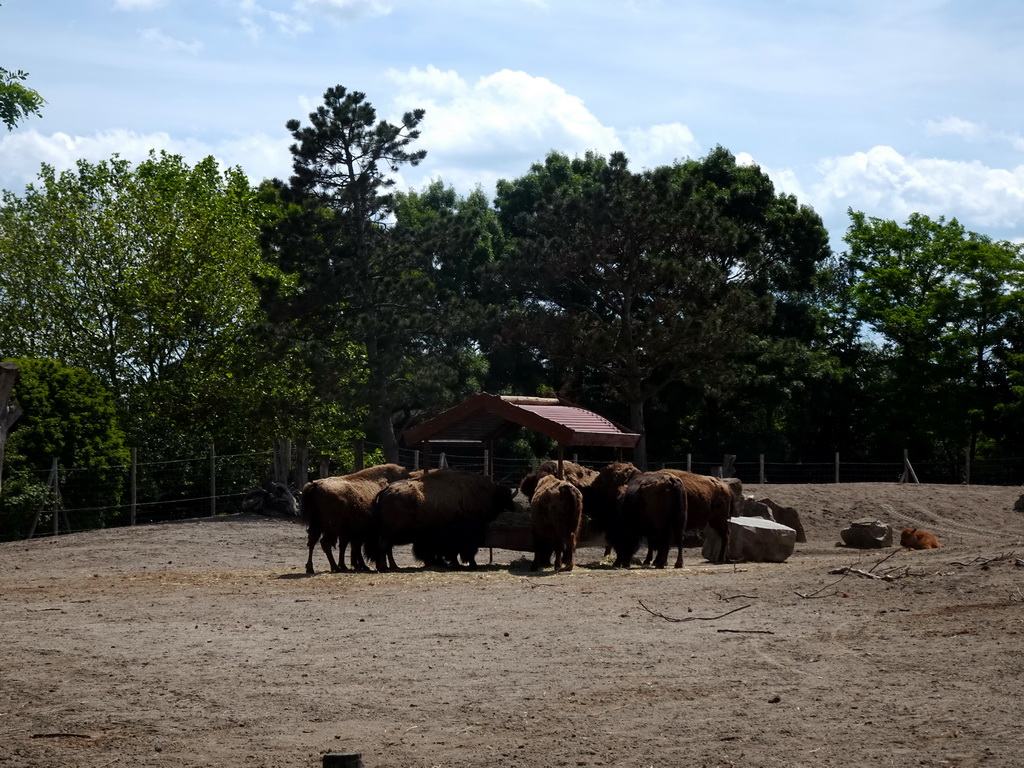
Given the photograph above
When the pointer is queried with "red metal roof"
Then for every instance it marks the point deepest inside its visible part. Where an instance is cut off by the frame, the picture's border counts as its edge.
(484, 417)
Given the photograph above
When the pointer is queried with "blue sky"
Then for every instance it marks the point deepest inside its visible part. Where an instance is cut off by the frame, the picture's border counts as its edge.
(885, 107)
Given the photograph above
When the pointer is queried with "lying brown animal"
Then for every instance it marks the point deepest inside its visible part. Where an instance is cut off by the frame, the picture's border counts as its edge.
(912, 538)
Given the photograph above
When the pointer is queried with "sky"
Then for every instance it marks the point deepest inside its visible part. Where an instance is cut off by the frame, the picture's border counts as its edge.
(887, 108)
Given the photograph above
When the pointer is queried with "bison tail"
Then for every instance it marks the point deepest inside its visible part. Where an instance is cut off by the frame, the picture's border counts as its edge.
(308, 505)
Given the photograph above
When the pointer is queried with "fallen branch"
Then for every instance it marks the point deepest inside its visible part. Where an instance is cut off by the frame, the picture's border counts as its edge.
(981, 561)
(733, 597)
(894, 552)
(865, 574)
(689, 618)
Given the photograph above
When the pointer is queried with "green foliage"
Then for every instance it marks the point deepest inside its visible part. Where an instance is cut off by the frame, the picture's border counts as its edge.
(942, 303)
(374, 306)
(629, 283)
(143, 276)
(71, 417)
(23, 496)
(17, 101)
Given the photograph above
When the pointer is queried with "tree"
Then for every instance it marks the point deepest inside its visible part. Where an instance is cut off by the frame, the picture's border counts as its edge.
(17, 101)
(632, 282)
(142, 276)
(355, 282)
(69, 417)
(940, 302)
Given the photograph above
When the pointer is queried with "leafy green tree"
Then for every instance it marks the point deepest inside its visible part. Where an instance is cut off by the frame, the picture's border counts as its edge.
(634, 282)
(939, 301)
(361, 288)
(68, 415)
(17, 100)
(142, 276)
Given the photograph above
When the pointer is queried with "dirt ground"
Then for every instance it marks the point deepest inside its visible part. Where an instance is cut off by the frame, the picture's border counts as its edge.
(203, 643)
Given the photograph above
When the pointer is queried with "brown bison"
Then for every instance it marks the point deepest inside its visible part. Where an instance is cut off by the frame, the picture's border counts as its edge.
(339, 509)
(574, 473)
(653, 507)
(912, 538)
(443, 514)
(556, 513)
(709, 503)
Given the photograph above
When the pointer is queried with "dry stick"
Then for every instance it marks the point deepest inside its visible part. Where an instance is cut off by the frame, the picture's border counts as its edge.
(983, 561)
(733, 597)
(894, 552)
(865, 574)
(846, 572)
(815, 593)
(689, 618)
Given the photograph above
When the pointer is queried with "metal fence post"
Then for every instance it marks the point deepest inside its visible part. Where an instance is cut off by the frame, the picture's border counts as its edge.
(213, 480)
(133, 487)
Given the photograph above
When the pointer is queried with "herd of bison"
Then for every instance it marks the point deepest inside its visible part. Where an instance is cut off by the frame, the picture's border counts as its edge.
(444, 514)
(204, 642)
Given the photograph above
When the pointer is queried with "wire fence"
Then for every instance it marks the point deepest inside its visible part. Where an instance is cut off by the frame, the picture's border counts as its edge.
(142, 493)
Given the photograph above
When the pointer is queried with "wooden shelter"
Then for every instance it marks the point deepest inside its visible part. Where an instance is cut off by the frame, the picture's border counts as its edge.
(483, 417)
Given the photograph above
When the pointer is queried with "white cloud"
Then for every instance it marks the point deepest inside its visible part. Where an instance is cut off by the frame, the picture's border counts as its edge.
(23, 152)
(157, 38)
(476, 133)
(882, 182)
(954, 126)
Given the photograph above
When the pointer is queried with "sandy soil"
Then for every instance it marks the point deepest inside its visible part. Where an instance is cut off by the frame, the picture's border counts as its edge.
(203, 643)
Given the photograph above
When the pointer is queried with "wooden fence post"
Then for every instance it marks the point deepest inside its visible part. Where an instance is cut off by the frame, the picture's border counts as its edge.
(689, 462)
(760, 463)
(908, 471)
(837, 466)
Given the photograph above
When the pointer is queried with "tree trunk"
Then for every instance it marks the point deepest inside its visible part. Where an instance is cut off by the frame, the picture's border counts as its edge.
(8, 414)
(636, 423)
(380, 408)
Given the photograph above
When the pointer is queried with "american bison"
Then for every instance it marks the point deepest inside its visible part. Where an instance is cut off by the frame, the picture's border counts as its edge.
(913, 538)
(443, 514)
(574, 473)
(709, 503)
(556, 513)
(339, 509)
(654, 507)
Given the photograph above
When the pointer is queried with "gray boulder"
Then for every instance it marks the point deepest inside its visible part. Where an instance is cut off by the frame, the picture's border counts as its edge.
(751, 508)
(867, 534)
(786, 516)
(1019, 504)
(752, 539)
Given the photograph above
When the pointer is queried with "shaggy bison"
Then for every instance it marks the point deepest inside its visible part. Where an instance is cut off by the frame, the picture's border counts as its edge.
(653, 506)
(556, 513)
(339, 509)
(709, 503)
(912, 538)
(443, 514)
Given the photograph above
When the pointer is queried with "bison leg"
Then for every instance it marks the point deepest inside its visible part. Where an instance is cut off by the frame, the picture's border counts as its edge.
(541, 560)
(327, 544)
(650, 555)
(314, 537)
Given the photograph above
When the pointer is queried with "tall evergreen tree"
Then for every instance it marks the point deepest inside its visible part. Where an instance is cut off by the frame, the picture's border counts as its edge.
(357, 286)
